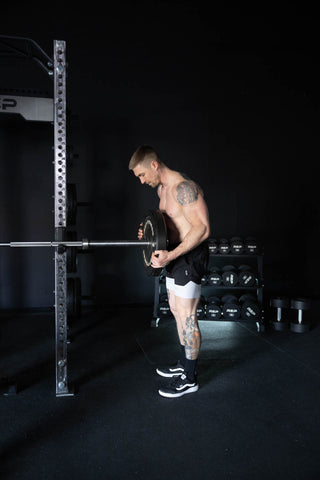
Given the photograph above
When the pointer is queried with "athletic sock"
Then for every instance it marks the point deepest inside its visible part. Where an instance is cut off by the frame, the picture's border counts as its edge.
(189, 368)
(182, 355)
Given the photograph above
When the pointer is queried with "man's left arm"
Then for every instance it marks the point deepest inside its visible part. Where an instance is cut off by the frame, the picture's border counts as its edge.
(195, 212)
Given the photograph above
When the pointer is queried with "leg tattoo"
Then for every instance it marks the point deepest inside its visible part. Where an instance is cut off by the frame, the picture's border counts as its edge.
(191, 337)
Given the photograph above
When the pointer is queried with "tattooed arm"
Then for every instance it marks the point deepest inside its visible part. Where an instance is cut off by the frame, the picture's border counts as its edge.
(195, 215)
(195, 211)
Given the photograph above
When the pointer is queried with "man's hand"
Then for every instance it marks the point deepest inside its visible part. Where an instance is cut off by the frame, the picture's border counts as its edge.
(140, 232)
(160, 258)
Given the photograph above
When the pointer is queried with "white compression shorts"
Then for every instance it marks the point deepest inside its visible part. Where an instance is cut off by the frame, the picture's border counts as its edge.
(190, 290)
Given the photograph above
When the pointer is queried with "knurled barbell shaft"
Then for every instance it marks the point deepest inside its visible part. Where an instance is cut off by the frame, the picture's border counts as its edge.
(82, 244)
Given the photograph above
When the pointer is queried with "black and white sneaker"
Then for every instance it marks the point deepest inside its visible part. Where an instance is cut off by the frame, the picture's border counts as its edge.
(169, 372)
(178, 387)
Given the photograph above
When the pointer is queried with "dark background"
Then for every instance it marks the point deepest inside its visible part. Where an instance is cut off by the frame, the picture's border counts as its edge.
(225, 95)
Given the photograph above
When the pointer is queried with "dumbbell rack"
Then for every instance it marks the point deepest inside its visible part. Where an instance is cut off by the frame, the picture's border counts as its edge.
(218, 259)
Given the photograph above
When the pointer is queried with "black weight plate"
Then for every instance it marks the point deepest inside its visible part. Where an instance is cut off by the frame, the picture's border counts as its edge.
(71, 203)
(74, 297)
(154, 230)
(299, 327)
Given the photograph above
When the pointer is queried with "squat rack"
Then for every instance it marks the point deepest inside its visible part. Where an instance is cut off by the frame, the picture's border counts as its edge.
(54, 112)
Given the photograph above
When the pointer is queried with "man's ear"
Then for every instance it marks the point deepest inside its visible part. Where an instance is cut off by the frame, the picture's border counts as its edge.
(154, 165)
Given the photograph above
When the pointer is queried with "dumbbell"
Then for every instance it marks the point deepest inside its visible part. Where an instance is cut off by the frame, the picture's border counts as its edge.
(213, 308)
(214, 277)
(213, 245)
(231, 309)
(279, 303)
(300, 304)
(204, 280)
(163, 307)
(246, 277)
(224, 246)
(201, 309)
(229, 276)
(251, 246)
(236, 246)
(250, 308)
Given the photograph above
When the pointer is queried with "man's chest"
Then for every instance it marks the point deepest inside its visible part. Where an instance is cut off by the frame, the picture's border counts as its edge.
(168, 203)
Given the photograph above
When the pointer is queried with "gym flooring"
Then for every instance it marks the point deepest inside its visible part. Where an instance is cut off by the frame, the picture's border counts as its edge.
(255, 416)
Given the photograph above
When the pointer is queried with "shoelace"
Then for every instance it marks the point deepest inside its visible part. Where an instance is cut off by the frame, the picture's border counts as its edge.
(177, 381)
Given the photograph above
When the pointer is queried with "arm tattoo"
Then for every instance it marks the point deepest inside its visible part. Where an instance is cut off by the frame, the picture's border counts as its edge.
(187, 192)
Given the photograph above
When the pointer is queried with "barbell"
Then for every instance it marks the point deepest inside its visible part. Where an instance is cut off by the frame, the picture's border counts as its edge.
(154, 238)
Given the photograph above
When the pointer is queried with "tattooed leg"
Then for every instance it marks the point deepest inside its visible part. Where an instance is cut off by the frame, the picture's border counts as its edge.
(191, 334)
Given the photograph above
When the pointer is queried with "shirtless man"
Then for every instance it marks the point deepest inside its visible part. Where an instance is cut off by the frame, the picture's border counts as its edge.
(187, 219)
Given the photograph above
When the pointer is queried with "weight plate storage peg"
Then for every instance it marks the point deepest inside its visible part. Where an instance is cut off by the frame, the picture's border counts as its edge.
(231, 309)
(301, 305)
(280, 303)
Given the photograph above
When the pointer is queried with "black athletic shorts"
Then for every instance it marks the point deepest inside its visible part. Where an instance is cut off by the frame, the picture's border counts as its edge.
(191, 266)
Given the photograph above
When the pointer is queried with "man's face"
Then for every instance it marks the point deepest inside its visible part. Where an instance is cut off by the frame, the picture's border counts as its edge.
(148, 175)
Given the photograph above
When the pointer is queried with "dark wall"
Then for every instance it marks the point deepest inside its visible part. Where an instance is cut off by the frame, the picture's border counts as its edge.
(225, 96)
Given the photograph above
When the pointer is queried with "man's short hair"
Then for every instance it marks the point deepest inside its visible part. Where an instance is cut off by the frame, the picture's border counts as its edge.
(144, 154)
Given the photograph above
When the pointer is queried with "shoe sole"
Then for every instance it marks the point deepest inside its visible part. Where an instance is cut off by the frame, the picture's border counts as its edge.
(169, 375)
(179, 394)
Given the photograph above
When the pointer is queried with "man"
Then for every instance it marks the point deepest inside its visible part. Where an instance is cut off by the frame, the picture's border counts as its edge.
(187, 219)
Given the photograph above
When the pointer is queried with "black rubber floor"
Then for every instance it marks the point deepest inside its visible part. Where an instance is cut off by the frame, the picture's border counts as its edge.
(255, 416)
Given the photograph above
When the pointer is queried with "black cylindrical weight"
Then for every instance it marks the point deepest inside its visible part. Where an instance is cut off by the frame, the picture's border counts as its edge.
(213, 245)
(214, 277)
(246, 276)
(224, 246)
(231, 309)
(251, 246)
(236, 245)
(213, 311)
(229, 276)
(204, 280)
(250, 308)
